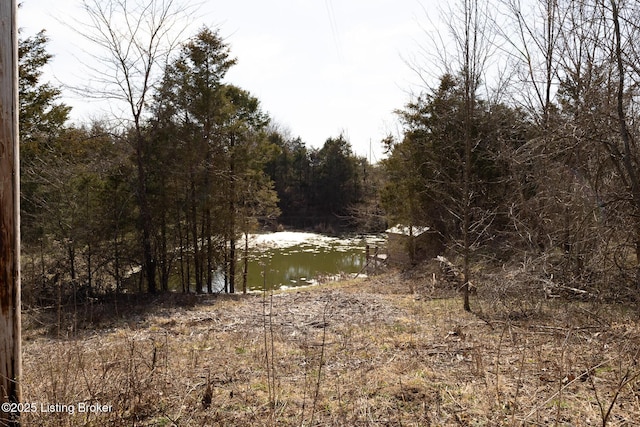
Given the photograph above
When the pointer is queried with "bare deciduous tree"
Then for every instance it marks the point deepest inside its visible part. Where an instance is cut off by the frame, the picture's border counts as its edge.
(464, 55)
(133, 41)
(626, 62)
(474, 46)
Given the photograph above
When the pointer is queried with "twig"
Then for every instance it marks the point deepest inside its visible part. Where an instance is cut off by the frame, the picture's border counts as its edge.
(498, 364)
(518, 383)
(306, 379)
(269, 352)
(324, 340)
(553, 396)
(562, 353)
(626, 379)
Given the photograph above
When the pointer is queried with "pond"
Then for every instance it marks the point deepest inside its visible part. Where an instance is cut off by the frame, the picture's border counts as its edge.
(290, 259)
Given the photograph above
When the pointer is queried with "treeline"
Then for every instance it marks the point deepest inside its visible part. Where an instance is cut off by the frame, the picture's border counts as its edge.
(163, 201)
(523, 150)
(328, 189)
(535, 160)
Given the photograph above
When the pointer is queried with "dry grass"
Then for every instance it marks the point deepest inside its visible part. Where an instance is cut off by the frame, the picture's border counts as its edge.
(388, 351)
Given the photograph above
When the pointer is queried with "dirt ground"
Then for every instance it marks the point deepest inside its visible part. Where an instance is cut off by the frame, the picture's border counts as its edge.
(393, 350)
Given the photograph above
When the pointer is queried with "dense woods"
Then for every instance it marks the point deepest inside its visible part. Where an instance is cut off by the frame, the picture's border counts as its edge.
(536, 162)
(550, 176)
(212, 167)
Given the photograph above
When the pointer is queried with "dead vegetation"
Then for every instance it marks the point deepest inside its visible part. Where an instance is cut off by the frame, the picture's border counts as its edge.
(395, 350)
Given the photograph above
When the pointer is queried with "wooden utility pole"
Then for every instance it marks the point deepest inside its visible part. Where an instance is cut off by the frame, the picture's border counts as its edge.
(10, 348)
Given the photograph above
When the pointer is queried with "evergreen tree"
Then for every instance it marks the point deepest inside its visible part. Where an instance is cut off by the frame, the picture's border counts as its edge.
(41, 115)
(337, 186)
(425, 174)
(214, 134)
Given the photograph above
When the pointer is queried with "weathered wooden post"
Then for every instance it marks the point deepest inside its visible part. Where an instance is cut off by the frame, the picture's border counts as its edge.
(375, 260)
(10, 347)
(367, 257)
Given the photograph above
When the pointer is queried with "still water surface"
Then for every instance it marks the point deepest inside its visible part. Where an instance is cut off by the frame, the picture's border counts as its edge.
(289, 259)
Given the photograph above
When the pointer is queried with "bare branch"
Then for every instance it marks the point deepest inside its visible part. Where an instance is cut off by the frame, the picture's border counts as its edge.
(132, 41)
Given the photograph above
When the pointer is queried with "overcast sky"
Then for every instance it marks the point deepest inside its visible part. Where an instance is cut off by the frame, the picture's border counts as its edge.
(319, 67)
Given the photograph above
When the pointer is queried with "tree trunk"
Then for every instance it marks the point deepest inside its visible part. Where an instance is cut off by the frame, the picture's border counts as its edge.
(196, 244)
(226, 268)
(203, 248)
(245, 271)
(72, 261)
(10, 347)
(209, 253)
(116, 262)
(625, 136)
(148, 260)
(165, 263)
(232, 265)
(181, 244)
(469, 99)
(116, 244)
(89, 272)
(232, 222)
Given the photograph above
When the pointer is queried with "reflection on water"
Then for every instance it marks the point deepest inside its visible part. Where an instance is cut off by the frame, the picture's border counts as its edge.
(296, 259)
